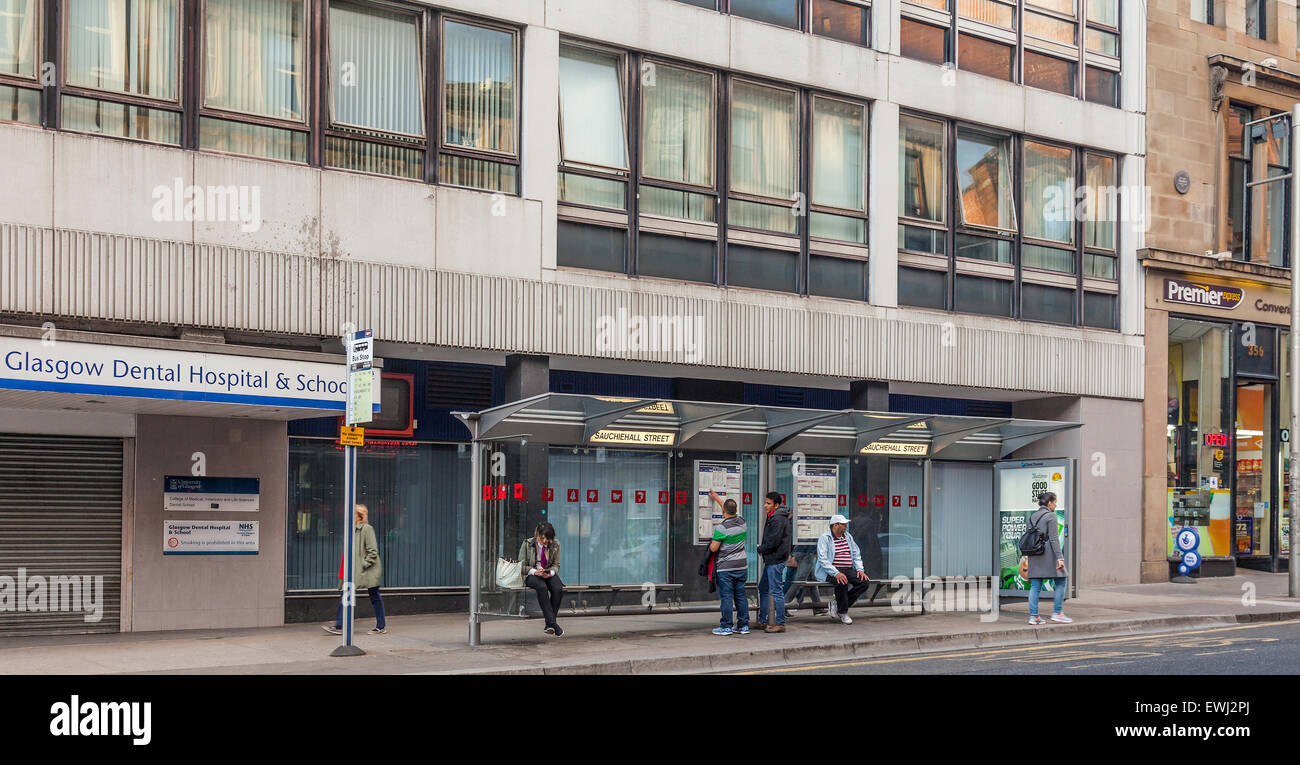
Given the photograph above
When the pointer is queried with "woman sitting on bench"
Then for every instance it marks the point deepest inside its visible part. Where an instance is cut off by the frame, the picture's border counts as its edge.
(540, 557)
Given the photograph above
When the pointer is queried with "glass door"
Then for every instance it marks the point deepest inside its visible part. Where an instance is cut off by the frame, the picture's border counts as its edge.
(1256, 468)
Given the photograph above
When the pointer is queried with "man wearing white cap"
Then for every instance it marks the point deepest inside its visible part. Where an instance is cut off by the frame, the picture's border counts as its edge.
(839, 561)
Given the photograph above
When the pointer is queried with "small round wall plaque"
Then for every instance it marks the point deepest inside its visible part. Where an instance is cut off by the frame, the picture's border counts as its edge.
(1182, 181)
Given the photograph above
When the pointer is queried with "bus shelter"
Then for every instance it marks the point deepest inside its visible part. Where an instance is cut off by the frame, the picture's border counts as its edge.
(626, 481)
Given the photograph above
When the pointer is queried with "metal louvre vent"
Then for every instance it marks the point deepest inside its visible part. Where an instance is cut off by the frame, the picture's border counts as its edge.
(789, 397)
(459, 386)
(61, 516)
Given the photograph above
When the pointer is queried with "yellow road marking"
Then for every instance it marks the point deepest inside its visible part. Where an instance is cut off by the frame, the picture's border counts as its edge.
(1019, 649)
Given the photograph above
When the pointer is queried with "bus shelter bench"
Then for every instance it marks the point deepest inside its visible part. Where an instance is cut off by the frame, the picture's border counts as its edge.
(875, 587)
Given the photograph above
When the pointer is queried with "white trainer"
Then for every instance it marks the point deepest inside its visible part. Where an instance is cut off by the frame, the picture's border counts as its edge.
(844, 619)
(1062, 619)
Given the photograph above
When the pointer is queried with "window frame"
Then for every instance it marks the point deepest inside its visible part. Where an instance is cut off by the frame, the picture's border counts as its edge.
(813, 205)
(621, 176)
(804, 11)
(1015, 272)
(32, 83)
(438, 146)
(202, 110)
(637, 134)
(957, 26)
(177, 106)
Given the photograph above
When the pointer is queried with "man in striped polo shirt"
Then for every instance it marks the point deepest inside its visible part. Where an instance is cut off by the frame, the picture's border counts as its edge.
(840, 561)
(729, 543)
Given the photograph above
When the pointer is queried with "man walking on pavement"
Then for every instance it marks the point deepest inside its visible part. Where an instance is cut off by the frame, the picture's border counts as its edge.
(840, 561)
(774, 548)
(729, 542)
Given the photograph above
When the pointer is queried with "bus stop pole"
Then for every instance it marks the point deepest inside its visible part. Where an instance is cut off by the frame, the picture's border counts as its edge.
(475, 534)
(1293, 587)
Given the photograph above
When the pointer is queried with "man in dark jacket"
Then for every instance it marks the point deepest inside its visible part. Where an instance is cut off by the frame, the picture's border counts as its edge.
(774, 550)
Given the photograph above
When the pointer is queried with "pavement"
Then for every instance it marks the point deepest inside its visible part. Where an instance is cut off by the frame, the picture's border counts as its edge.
(667, 643)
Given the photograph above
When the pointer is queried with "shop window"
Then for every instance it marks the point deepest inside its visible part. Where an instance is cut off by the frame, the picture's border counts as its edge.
(923, 288)
(924, 42)
(592, 131)
(783, 13)
(254, 66)
(1050, 304)
(837, 277)
(418, 497)
(1199, 466)
(480, 107)
(607, 542)
(846, 21)
(121, 69)
(761, 268)
(596, 247)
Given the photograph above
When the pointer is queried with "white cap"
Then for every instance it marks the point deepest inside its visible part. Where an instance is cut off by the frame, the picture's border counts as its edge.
(839, 519)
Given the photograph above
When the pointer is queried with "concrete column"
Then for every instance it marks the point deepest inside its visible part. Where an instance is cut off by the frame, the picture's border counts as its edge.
(882, 205)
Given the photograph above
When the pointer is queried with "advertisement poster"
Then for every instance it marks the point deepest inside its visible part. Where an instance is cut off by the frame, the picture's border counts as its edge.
(816, 489)
(1018, 487)
(722, 477)
(210, 537)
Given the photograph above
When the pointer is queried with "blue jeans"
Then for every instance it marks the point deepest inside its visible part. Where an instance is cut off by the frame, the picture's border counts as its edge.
(731, 586)
(770, 581)
(1058, 594)
(375, 600)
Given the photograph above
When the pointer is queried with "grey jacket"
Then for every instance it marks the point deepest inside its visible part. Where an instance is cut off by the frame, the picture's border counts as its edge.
(1044, 566)
(530, 560)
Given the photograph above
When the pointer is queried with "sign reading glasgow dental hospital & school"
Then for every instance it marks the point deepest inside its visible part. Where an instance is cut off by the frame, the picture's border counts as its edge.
(115, 370)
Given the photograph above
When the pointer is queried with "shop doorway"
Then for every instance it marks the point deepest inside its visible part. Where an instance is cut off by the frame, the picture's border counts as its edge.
(1255, 490)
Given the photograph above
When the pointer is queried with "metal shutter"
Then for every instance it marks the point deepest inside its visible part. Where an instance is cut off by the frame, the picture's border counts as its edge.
(60, 515)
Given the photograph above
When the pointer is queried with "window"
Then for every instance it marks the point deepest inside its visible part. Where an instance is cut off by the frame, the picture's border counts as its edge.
(1259, 152)
(1257, 19)
(793, 183)
(839, 170)
(20, 95)
(479, 108)
(924, 41)
(120, 72)
(845, 20)
(376, 90)
(592, 134)
(764, 158)
(1028, 232)
(780, 12)
(418, 499)
(254, 66)
(1041, 43)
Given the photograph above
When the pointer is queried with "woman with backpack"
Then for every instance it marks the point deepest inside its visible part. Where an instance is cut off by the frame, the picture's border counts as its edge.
(1047, 564)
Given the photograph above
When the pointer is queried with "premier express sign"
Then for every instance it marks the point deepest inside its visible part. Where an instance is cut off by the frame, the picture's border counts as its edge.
(1203, 294)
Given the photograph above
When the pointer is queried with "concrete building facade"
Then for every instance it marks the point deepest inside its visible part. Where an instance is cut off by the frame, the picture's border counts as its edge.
(837, 202)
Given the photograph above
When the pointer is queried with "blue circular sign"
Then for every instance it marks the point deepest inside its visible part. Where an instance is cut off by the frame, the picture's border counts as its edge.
(1187, 539)
(1182, 569)
(1191, 559)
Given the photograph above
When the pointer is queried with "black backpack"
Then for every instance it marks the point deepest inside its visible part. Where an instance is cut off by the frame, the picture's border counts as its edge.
(1034, 540)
